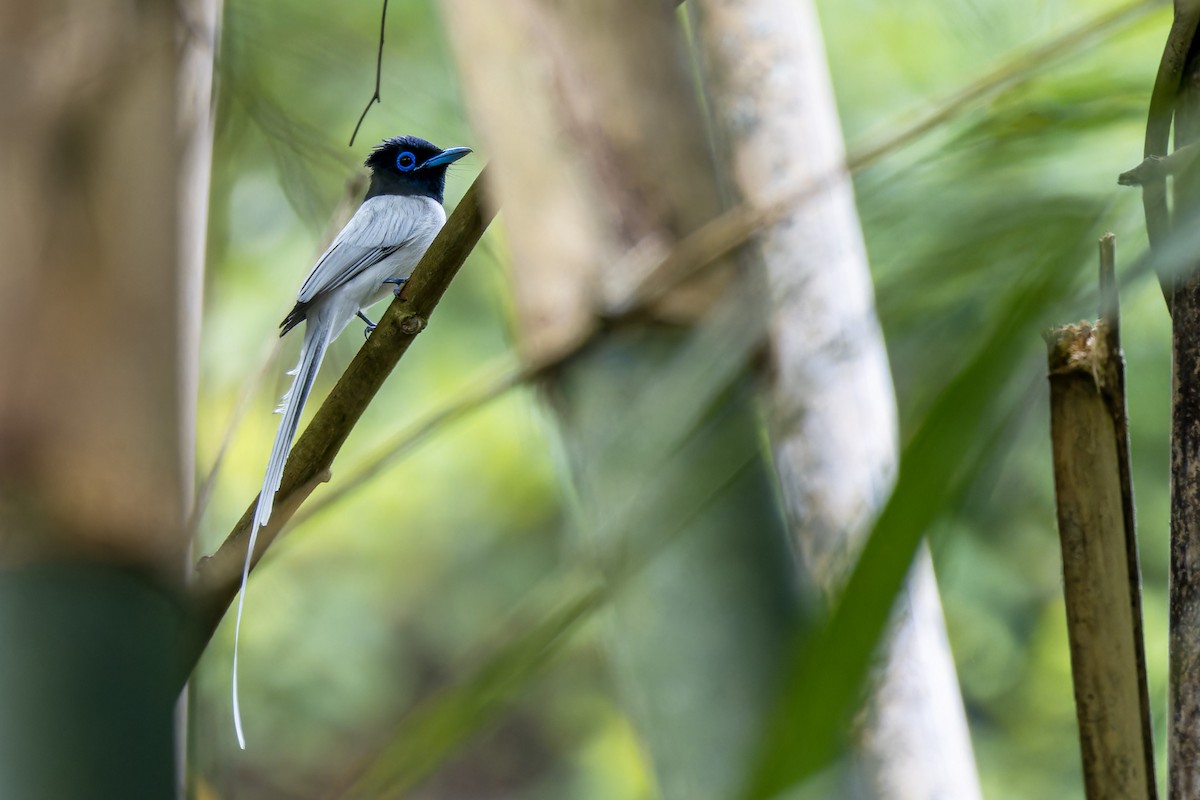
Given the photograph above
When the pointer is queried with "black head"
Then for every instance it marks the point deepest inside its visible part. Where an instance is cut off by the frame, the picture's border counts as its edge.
(412, 166)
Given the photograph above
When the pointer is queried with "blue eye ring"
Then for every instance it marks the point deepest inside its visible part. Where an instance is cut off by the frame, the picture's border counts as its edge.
(406, 161)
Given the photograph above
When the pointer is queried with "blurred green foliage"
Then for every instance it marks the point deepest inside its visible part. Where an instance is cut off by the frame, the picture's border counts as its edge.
(384, 601)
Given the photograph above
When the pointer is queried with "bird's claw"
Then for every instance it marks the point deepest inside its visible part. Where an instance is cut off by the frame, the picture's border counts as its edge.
(367, 331)
(399, 282)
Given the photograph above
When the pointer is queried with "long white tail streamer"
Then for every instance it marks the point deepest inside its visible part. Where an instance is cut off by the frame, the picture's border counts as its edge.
(312, 352)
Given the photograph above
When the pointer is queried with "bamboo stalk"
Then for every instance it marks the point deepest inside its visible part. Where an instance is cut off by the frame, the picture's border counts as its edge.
(1099, 549)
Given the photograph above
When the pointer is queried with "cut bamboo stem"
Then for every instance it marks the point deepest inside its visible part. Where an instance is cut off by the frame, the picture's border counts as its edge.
(1101, 577)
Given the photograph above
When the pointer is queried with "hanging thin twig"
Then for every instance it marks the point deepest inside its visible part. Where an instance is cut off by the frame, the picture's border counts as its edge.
(378, 73)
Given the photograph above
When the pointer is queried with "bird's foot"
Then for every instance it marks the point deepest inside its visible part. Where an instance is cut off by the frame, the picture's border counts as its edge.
(399, 285)
(367, 331)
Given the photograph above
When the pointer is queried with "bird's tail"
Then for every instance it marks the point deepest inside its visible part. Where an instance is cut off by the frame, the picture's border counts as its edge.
(312, 351)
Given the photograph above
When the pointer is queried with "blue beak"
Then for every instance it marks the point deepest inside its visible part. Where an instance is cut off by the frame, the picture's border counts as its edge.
(447, 156)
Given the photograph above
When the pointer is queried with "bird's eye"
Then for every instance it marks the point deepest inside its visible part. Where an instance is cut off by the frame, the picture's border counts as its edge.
(406, 161)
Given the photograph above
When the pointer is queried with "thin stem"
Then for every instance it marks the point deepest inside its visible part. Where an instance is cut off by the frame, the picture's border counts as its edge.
(378, 73)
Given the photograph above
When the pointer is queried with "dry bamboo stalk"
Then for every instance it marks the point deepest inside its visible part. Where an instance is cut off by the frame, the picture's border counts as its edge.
(1099, 547)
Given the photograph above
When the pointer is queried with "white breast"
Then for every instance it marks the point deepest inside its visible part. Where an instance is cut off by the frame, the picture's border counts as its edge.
(383, 221)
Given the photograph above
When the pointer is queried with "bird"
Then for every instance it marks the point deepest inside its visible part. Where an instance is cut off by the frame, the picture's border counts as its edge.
(372, 256)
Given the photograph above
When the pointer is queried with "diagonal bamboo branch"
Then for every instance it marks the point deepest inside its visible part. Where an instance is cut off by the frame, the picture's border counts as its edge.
(217, 576)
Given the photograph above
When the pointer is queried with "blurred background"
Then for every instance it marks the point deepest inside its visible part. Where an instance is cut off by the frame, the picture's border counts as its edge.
(400, 590)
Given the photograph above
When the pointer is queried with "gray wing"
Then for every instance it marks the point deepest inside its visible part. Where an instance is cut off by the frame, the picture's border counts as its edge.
(379, 228)
(340, 263)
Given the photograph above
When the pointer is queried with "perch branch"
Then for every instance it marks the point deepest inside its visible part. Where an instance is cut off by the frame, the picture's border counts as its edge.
(217, 576)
